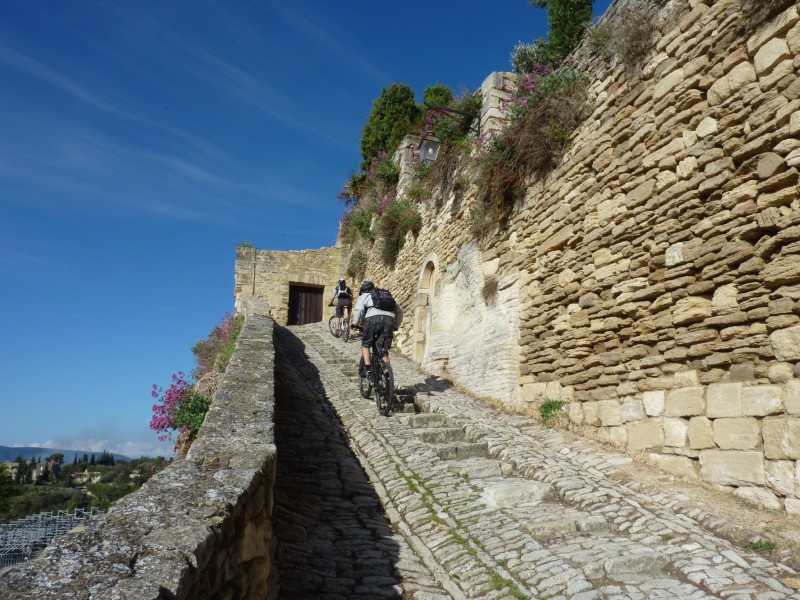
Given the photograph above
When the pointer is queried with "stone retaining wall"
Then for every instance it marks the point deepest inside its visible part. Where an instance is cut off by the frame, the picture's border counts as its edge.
(201, 528)
(652, 281)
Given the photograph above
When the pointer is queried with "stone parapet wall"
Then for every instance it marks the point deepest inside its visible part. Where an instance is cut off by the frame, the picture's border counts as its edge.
(267, 274)
(201, 528)
(659, 261)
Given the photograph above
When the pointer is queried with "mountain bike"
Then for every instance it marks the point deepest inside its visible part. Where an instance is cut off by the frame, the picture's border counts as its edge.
(339, 327)
(379, 377)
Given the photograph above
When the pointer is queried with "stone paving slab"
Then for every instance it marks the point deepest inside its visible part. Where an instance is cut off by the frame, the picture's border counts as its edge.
(599, 534)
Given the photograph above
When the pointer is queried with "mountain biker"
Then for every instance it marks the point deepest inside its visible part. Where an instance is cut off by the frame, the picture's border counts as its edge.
(379, 325)
(343, 296)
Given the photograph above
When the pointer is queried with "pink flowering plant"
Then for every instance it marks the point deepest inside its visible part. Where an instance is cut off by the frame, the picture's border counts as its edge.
(178, 408)
(214, 352)
(543, 111)
(181, 407)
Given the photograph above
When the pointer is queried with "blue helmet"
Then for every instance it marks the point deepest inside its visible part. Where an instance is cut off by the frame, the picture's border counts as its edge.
(367, 286)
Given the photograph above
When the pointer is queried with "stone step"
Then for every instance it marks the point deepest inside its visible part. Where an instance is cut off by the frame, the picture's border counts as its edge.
(622, 560)
(514, 492)
(426, 420)
(440, 435)
(460, 450)
(480, 468)
(548, 520)
(404, 405)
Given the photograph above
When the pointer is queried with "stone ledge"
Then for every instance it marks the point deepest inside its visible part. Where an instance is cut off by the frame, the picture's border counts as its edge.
(202, 526)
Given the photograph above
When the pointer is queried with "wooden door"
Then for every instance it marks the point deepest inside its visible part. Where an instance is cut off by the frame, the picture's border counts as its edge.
(305, 304)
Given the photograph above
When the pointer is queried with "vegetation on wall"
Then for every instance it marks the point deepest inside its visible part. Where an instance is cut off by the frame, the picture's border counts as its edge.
(549, 102)
(400, 217)
(357, 264)
(182, 407)
(568, 20)
(544, 110)
(627, 37)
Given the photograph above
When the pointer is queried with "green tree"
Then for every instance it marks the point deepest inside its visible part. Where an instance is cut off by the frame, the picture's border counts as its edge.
(57, 458)
(568, 20)
(6, 488)
(438, 95)
(44, 475)
(22, 467)
(394, 115)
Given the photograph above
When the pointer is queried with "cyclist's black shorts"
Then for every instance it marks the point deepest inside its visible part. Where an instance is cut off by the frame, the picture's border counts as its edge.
(341, 304)
(381, 329)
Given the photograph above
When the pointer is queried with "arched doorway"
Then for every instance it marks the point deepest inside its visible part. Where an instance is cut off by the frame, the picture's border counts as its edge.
(423, 310)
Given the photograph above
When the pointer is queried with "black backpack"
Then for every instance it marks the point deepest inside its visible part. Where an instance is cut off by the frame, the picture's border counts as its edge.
(382, 300)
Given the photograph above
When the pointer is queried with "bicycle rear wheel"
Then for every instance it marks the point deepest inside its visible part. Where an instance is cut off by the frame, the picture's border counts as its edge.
(384, 391)
(333, 325)
(364, 384)
(346, 330)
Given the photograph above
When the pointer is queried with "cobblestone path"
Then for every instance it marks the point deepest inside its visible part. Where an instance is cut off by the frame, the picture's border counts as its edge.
(450, 498)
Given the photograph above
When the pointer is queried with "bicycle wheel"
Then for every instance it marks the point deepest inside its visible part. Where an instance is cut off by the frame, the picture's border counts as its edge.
(364, 384)
(333, 325)
(384, 391)
(346, 330)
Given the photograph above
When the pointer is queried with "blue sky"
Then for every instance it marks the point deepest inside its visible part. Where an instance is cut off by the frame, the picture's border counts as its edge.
(140, 142)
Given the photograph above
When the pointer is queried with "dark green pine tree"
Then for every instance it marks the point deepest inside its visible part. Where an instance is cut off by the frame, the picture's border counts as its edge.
(567, 20)
(394, 115)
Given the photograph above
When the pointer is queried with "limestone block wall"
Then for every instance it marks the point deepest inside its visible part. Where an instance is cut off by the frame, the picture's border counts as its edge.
(201, 528)
(652, 281)
(267, 274)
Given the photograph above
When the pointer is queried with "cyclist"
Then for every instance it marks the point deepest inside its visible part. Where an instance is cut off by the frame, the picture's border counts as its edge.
(379, 325)
(343, 296)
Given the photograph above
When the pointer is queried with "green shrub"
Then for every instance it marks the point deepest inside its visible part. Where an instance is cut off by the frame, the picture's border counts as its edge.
(357, 223)
(761, 546)
(400, 217)
(438, 95)
(357, 264)
(525, 57)
(191, 413)
(480, 221)
(550, 410)
(418, 192)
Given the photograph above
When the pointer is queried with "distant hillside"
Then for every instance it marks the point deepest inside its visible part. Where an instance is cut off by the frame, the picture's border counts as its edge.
(9, 453)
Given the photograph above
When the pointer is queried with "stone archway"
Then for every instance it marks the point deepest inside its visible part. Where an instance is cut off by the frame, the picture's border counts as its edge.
(423, 310)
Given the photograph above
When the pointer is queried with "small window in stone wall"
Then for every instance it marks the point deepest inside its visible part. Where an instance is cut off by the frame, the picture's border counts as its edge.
(305, 304)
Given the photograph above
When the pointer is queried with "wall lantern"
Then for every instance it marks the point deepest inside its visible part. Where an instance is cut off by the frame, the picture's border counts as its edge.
(429, 150)
(429, 146)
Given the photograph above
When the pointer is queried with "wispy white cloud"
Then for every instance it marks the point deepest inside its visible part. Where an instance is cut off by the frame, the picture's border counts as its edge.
(12, 257)
(87, 92)
(131, 449)
(314, 32)
(250, 89)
